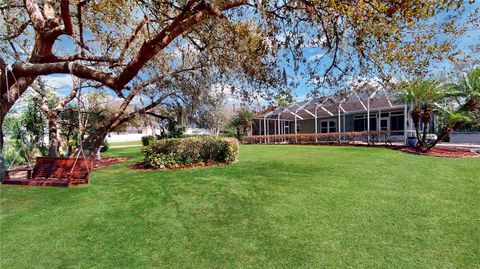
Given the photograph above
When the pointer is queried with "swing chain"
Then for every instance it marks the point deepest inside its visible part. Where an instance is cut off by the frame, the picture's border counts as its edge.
(80, 127)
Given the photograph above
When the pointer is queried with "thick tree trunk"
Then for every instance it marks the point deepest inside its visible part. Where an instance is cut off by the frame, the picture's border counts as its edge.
(4, 107)
(415, 114)
(2, 160)
(424, 135)
(94, 141)
(9, 94)
(442, 135)
(52, 135)
(445, 131)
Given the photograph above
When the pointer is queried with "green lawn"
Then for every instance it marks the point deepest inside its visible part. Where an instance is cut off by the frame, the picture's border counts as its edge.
(128, 143)
(278, 207)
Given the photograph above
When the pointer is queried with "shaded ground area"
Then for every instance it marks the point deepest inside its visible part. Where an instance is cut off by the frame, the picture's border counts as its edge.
(108, 161)
(278, 207)
(443, 151)
(98, 164)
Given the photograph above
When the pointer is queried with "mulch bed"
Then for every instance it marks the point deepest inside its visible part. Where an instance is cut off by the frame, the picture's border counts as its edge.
(106, 162)
(142, 166)
(97, 165)
(439, 151)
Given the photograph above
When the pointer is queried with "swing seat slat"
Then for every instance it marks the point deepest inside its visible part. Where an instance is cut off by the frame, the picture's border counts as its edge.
(53, 171)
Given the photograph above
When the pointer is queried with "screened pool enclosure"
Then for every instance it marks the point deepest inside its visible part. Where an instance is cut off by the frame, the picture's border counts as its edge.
(356, 112)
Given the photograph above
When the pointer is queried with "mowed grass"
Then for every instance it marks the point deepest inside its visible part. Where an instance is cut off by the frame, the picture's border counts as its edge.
(126, 143)
(278, 207)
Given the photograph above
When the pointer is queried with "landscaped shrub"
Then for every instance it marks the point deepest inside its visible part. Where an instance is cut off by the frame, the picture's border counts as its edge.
(105, 146)
(147, 140)
(177, 152)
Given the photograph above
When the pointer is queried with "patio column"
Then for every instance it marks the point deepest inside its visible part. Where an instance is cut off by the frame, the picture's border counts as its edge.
(268, 131)
(338, 123)
(368, 120)
(378, 119)
(296, 139)
(279, 126)
(265, 129)
(316, 124)
(259, 127)
(295, 124)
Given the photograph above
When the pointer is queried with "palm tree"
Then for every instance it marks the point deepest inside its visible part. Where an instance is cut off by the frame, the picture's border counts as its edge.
(450, 119)
(463, 98)
(423, 94)
(470, 87)
(242, 122)
(466, 94)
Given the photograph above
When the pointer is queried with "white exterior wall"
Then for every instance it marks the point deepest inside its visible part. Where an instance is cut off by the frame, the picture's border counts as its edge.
(127, 137)
(466, 137)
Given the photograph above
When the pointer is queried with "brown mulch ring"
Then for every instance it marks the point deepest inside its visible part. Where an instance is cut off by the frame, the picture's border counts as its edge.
(97, 165)
(142, 166)
(439, 151)
(106, 162)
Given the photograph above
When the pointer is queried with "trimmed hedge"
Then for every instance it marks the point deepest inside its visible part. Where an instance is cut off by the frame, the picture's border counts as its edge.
(324, 138)
(105, 146)
(147, 140)
(177, 152)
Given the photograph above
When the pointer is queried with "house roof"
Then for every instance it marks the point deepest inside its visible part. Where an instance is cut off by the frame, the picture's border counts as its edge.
(327, 106)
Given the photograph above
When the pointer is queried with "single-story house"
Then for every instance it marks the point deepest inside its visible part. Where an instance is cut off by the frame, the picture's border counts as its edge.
(354, 112)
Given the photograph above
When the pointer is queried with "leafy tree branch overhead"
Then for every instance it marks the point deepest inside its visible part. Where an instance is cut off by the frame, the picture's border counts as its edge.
(117, 38)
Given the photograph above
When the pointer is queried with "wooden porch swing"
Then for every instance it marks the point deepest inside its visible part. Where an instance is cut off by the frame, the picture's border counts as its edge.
(55, 171)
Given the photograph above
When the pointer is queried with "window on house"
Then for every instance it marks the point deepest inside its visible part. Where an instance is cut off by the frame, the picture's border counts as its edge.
(397, 124)
(324, 127)
(332, 126)
(359, 123)
(373, 123)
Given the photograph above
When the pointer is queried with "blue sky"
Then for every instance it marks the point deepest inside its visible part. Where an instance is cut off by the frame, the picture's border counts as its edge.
(471, 37)
(64, 84)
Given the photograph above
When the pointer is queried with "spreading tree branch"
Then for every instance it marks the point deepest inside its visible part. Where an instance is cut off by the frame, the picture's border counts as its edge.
(35, 14)
(67, 19)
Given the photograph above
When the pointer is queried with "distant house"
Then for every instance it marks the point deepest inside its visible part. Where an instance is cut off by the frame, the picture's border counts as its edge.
(131, 134)
(192, 130)
(356, 112)
(136, 133)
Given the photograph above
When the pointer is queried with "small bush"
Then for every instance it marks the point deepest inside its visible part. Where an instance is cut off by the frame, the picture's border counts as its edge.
(147, 140)
(175, 152)
(105, 146)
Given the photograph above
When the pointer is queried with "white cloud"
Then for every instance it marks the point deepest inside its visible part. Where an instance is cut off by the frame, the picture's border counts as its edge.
(315, 57)
(62, 81)
(234, 98)
(302, 97)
